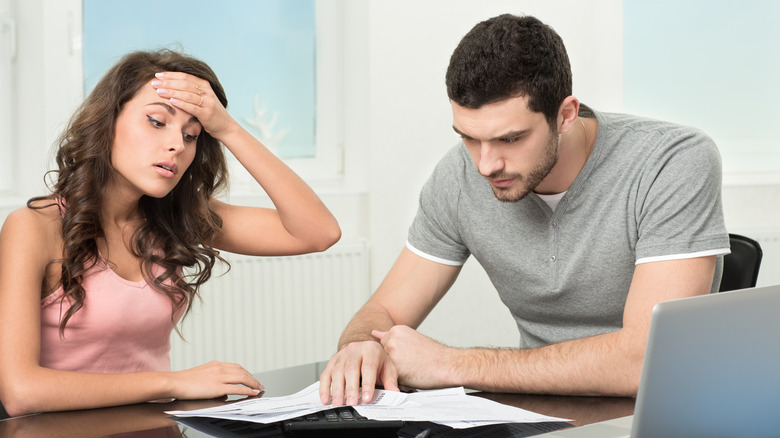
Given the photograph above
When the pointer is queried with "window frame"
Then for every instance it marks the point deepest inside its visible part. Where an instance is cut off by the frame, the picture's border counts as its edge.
(8, 49)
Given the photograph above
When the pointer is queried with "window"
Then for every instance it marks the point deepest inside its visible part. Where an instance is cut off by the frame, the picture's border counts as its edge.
(49, 71)
(277, 59)
(710, 64)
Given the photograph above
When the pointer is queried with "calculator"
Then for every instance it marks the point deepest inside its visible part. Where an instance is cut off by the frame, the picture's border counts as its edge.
(342, 419)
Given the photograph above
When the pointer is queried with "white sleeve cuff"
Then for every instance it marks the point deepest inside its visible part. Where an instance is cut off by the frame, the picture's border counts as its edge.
(709, 252)
(432, 258)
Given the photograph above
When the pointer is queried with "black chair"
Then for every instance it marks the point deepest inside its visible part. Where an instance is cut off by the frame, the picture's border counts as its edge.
(740, 268)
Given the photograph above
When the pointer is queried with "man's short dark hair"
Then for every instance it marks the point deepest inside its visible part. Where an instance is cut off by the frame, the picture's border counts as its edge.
(510, 56)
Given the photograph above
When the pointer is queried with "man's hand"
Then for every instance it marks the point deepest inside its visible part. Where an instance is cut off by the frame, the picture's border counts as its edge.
(356, 369)
(408, 293)
(420, 361)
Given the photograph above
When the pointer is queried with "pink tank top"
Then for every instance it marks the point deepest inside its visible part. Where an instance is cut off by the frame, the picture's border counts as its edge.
(124, 326)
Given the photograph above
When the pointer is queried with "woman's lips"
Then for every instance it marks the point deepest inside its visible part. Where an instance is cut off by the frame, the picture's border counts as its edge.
(168, 169)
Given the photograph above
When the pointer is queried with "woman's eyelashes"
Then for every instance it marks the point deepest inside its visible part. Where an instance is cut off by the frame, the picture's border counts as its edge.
(156, 123)
(188, 138)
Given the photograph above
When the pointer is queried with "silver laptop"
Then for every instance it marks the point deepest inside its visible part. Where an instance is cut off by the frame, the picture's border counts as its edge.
(711, 369)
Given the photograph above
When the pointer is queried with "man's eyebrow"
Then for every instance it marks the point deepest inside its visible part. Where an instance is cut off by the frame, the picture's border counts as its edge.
(510, 134)
(513, 134)
(172, 111)
(457, 131)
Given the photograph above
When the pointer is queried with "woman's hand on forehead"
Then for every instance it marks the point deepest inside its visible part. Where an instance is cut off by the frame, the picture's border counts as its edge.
(194, 96)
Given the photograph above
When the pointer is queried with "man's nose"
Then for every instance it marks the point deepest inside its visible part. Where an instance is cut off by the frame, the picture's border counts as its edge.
(490, 160)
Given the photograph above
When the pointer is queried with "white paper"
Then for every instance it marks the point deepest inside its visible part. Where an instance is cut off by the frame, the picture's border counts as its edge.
(451, 407)
(273, 409)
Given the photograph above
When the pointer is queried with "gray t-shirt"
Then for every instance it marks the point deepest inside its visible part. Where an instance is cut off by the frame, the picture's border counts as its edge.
(650, 190)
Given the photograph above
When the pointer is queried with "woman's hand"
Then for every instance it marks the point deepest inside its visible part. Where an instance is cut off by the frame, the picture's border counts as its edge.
(214, 379)
(194, 95)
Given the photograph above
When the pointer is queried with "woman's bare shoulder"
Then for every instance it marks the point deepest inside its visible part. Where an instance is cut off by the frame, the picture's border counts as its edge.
(39, 226)
(41, 213)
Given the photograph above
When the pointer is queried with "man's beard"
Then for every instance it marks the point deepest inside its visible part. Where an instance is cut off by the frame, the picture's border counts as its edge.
(534, 177)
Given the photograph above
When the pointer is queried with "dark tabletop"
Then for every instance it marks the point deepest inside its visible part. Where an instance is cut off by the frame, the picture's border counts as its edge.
(150, 420)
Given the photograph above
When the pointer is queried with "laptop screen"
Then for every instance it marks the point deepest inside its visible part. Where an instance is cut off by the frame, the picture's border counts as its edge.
(712, 367)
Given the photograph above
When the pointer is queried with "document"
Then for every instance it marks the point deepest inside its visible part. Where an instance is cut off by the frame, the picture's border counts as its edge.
(450, 407)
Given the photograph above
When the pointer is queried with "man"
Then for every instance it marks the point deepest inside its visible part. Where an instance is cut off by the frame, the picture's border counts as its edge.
(582, 220)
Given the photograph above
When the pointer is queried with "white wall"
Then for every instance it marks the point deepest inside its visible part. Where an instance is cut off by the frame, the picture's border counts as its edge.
(397, 124)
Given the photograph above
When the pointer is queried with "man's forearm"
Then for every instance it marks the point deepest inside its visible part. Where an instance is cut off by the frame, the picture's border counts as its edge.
(407, 294)
(369, 317)
(608, 364)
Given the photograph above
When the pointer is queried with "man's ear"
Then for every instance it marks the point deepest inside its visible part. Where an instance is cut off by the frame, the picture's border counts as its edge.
(567, 114)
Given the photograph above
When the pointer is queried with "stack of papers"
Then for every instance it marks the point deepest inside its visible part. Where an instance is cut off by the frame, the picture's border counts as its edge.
(450, 407)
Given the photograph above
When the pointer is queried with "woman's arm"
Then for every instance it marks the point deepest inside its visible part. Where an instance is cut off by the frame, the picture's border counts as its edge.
(26, 242)
(300, 223)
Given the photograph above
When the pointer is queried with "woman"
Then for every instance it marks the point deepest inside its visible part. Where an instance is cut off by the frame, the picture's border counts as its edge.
(94, 277)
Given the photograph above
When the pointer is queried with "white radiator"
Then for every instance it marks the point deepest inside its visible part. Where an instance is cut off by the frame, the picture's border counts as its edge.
(273, 312)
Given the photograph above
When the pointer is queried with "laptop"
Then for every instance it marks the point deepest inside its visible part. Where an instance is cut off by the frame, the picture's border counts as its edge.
(711, 369)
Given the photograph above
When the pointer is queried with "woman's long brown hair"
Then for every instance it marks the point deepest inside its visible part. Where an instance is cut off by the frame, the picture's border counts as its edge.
(177, 230)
